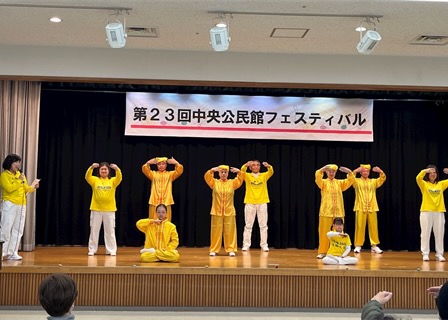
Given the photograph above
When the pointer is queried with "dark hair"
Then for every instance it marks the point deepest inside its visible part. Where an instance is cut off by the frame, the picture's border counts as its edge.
(442, 302)
(338, 221)
(162, 205)
(426, 177)
(9, 160)
(57, 293)
(106, 164)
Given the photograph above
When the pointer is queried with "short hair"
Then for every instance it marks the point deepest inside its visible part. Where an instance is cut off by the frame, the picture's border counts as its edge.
(442, 301)
(57, 293)
(338, 221)
(9, 160)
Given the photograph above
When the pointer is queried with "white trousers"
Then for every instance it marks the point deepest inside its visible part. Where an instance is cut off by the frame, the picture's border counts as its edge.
(250, 212)
(108, 219)
(432, 221)
(329, 259)
(12, 224)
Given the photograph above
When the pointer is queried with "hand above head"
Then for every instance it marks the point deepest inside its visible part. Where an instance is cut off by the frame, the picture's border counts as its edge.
(267, 165)
(172, 161)
(434, 291)
(234, 170)
(430, 170)
(345, 169)
(248, 163)
(377, 169)
(114, 166)
(151, 161)
(95, 165)
(382, 297)
(445, 170)
(215, 169)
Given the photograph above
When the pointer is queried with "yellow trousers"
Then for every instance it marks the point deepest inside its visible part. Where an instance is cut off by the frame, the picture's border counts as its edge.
(153, 214)
(325, 224)
(360, 228)
(160, 255)
(223, 226)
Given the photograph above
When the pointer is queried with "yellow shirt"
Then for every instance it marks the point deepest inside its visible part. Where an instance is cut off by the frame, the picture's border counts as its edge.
(222, 194)
(162, 184)
(161, 236)
(365, 190)
(103, 191)
(332, 203)
(432, 194)
(338, 245)
(13, 189)
(256, 186)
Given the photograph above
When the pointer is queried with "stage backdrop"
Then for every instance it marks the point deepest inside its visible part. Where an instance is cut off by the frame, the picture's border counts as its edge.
(78, 128)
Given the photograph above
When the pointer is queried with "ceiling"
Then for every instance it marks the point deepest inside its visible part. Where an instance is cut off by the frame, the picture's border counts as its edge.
(183, 25)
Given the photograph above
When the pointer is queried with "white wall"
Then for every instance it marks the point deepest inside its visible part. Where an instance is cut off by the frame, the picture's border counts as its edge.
(223, 66)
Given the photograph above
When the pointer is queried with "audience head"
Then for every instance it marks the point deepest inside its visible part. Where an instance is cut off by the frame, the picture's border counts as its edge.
(442, 301)
(57, 293)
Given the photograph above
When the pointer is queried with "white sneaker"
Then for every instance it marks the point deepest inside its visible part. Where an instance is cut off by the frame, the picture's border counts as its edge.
(245, 248)
(212, 254)
(91, 253)
(150, 250)
(425, 257)
(113, 254)
(14, 256)
(231, 254)
(440, 258)
(265, 249)
(357, 250)
(376, 249)
(320, 255)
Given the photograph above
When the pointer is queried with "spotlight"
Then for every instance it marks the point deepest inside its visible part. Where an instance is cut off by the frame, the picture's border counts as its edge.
(370, 39)
(115, 31)
(219, 34)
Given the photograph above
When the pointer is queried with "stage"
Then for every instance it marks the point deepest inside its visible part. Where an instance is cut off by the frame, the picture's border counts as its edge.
(281, 278)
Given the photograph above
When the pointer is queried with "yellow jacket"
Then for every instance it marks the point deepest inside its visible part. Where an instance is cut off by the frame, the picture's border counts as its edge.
(332, 203)
(13, 189)
(256, 186)
(162, 184)
(222, 194)
(365, 190)
(161, 236)
(103, 191)
(432, 194)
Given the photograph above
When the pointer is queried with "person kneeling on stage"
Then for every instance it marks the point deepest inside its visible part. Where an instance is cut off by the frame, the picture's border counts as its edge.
(161, 238)
(340, 245)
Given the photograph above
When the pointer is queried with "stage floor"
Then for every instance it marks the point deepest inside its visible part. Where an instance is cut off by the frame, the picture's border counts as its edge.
(76, 256)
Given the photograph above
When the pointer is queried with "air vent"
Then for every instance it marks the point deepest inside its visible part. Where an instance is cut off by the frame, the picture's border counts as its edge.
(142, 32)
(289, 32)
(430, 40)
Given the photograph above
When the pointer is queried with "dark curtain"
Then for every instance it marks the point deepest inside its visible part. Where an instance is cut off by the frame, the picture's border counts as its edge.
(79, 127)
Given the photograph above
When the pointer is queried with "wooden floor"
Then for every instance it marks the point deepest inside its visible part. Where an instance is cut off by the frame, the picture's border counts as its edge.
(281, 278)
(199, 258)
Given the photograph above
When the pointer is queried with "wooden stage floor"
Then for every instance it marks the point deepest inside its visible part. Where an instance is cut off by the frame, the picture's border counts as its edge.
(69, 256)
(281, 278)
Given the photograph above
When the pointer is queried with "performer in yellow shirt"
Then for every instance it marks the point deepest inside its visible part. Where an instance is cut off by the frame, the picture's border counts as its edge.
(161, 183)
(366, 205)
(340, 245)
(223, 211)
(332, 203)
(14, 187)
(256, 202)
(161, 238)
(103, 206)
(432, 210)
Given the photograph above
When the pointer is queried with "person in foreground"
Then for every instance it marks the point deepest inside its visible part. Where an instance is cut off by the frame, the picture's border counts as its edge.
(223, 211)
(440, 293)
(57, 294)
(340, 245)
(332, 203)
(14, 188)
(256, 202)
(432, 210)
(161, 238)
(373, 310)
(161, 183)
(103, 206)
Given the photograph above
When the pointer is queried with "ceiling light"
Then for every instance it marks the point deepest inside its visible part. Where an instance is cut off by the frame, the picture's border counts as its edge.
(219, 33)
(55, 19)
(115, 31)
(370, 39)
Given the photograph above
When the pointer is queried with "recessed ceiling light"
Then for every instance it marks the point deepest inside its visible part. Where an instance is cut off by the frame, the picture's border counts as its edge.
(55, 19)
